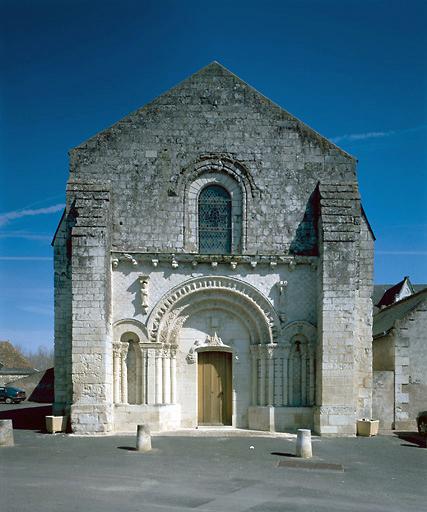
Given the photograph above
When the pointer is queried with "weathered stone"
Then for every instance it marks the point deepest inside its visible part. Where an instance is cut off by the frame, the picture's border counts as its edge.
(137, 301)
(303, 447)
(6, 433)
(143, 438)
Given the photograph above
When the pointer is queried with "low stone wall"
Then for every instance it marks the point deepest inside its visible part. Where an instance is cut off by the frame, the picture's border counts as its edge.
(157, 417)
(280, 419)
(7, 379)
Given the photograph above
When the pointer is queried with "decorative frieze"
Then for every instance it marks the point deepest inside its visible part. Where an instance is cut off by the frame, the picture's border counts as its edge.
(216, 260)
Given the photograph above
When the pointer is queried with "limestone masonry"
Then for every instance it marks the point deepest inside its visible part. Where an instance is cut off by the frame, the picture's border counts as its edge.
(213, 266)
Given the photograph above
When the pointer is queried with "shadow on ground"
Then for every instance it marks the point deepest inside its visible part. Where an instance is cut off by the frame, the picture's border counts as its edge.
(27, 418)
(284, 454)
(415, 439)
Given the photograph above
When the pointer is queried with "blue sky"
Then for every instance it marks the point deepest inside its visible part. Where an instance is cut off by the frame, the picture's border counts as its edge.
(353, 70)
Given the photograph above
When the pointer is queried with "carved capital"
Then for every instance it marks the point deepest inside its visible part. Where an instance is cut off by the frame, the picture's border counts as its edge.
(270, 350)
(124, 348)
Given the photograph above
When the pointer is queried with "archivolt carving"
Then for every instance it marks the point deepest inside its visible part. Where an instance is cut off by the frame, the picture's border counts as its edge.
(300, 327)
(212, 291)
(215, 163)
(130, 325)
(256, 327)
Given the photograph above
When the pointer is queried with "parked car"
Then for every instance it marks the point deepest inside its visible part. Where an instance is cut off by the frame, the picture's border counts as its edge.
(11, 395)
(422, 423)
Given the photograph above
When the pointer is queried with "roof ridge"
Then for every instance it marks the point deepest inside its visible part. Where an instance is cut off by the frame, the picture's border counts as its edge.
(213, 64)
(405, 299)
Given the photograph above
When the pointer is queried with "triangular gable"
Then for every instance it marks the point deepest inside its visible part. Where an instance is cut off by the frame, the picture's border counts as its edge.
(397, 292)
(215, 69)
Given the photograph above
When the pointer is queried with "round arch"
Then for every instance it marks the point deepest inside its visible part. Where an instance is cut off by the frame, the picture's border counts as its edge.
(232, 293)
(237, 193)
(129, 325)
(214, 303)
(299, 328)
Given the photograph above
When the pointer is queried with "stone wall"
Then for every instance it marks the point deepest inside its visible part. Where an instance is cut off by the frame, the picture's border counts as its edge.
(410, 367)
(383, 398)
(344, 372)
(211, 121)
(402, 351)
(63, 315)
(363, 353)
(91, 350)
(131, 201)
(8, 379)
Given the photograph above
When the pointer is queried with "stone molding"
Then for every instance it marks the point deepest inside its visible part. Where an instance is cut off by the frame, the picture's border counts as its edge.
(164, 324)
(299, 328)
(132, 326)
(174, 260)
(214, 163)
(238, 209)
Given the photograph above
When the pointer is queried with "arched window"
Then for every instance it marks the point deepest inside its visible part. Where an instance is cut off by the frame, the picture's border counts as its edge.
(214, 220)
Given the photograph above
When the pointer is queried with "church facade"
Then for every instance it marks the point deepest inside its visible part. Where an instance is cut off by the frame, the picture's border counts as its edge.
(213, 266)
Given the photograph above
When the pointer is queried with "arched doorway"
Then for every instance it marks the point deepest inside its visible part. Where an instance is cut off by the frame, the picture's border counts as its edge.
(214, 388)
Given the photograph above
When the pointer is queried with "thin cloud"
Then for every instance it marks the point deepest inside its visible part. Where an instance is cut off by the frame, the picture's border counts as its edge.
(25, 258)
(5, 218)
(351, 137)
(38, 310)
(362, 136)
(26, 235)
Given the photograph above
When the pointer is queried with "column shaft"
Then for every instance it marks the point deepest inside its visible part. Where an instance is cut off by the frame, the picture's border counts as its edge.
(254, 379)
(124, 380)
(311, 378)
(166, 378)
(159, 378)
(261, 382)
(173, 377)
(304, 378)
(270, 379)
(285, 384)
(116, 376)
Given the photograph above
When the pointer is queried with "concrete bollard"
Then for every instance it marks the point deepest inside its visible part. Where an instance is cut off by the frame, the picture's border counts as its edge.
(6, 433)
(143, 438)
(304, 443)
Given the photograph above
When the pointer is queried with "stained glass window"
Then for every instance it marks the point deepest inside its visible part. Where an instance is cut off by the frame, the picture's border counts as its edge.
(214, 220)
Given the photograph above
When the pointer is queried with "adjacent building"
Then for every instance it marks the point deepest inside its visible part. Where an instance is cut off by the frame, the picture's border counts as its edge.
(400, 355)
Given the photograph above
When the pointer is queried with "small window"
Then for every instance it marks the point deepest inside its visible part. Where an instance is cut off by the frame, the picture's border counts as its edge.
(214, 220)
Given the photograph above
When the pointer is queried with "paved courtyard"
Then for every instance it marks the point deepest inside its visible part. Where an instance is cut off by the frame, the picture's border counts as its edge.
(210, 472)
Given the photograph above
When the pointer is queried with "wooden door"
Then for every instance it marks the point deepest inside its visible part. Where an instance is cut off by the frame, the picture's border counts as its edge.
(214, 391)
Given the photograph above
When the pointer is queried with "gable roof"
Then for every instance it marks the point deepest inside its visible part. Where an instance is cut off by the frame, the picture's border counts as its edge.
(389, 295)
(215, 69)
(12, 358)
(386, 318)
